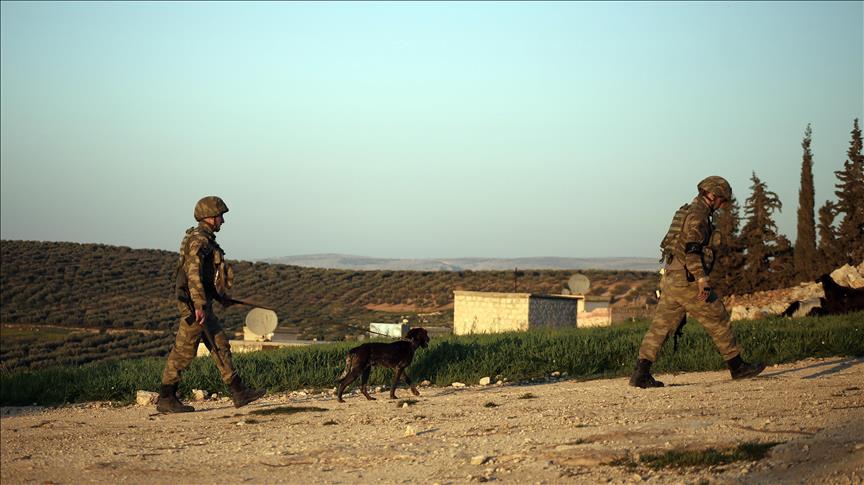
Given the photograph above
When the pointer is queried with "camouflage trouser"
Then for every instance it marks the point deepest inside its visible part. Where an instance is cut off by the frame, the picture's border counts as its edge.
(186, 347)
(677, 298)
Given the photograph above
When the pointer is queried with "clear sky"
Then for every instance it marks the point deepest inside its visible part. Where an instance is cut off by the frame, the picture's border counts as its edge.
(414, 129)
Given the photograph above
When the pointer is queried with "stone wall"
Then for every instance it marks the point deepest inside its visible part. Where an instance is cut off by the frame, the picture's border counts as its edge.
(488, 312)
(599, 317)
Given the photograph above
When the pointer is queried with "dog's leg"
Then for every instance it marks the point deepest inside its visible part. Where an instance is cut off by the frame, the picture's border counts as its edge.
(410, 384)
(363, 382)
(396, 374)
(350, 376)
(353, 369)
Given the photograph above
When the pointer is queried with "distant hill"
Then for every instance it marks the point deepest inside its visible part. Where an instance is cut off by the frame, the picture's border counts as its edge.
(346, 261)
(95, 285)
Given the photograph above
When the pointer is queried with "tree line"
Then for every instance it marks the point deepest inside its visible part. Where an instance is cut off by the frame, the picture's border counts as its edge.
(757, 257)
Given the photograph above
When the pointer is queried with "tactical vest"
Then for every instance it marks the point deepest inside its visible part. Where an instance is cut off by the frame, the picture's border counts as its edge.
(673, 247)
(217, 275)
(670, 247)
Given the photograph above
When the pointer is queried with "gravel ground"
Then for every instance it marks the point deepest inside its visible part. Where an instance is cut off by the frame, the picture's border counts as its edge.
(563, 431)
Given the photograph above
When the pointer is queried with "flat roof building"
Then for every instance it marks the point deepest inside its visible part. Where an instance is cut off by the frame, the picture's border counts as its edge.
(488, 312)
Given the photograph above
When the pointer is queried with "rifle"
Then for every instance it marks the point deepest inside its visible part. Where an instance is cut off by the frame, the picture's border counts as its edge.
(214, 349)
(679, 331)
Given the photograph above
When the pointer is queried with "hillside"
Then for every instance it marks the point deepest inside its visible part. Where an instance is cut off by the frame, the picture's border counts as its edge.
(95, 285)
(347, 261)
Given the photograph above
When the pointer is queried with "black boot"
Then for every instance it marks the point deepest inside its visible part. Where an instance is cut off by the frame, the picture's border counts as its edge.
(168, 402)
(742, 370)
(642, 375)
(242, 395)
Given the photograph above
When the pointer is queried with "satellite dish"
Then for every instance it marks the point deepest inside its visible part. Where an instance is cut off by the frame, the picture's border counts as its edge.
(579, 284)
(261, 322)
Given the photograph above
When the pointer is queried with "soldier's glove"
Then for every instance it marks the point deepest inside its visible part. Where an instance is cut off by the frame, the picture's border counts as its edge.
(704, 286)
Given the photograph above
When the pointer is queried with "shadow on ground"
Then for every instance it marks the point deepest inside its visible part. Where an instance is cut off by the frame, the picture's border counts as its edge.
(833, 367)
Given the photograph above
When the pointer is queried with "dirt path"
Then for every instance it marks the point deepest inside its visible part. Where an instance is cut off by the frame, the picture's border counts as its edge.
(562, 432)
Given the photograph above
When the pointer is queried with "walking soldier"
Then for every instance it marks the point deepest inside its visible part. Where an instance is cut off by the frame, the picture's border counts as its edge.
(202, 276)
(686, 286)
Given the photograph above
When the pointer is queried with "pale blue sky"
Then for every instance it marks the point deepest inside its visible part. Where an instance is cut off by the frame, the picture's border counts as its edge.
(413, 129)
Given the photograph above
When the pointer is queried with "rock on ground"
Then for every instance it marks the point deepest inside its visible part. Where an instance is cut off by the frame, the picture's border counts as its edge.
(146, 398)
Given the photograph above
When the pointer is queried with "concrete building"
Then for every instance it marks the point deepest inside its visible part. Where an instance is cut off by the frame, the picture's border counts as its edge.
(487, 312)
(594, 302)
(395, 330)
(597, 312)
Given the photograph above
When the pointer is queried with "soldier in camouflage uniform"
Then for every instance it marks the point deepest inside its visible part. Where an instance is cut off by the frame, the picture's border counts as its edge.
(203, 275)
(686, 286)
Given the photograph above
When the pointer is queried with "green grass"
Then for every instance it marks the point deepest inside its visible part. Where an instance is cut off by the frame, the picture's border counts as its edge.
(749, 451)
(30, 334)
(582, 353)
(287, 410)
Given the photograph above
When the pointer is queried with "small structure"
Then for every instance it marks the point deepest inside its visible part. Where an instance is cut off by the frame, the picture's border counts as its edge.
(596, 313)
(261, 333)
(488, 312)
(395, 330)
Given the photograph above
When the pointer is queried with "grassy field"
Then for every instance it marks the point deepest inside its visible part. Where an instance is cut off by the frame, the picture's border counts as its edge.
(581, 353)
(18, 334)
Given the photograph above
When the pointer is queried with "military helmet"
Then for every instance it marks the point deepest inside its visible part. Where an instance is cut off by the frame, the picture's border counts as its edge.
(210, 206)
(716, 185)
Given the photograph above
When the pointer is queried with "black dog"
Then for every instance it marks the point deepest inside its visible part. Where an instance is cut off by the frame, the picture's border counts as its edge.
(395, 355)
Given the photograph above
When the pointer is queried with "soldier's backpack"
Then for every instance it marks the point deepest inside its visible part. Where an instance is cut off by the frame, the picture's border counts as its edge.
(669, 244)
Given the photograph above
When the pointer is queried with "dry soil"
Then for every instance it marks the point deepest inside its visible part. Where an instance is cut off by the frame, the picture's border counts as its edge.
(563, 431)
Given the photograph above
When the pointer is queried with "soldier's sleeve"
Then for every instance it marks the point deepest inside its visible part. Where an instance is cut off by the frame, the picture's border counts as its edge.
(694, 233)
(193, 273)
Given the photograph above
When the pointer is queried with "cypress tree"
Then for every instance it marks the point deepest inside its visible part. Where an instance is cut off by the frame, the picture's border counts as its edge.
(767, 262)
(805, 254)
(850, 201)
(829, 251)
(730, 254)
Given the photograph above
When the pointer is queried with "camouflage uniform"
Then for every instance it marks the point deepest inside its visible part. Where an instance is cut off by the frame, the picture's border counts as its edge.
(678, 290)
(685, 280)
(200, 261)
(203, 275)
